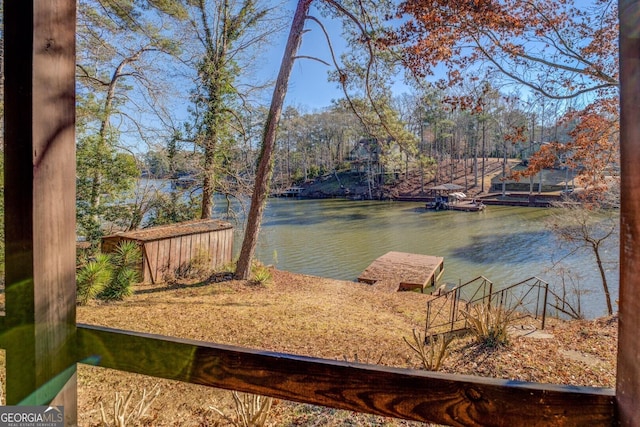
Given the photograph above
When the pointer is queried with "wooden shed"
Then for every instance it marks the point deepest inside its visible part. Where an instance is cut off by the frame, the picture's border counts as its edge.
(168, 248)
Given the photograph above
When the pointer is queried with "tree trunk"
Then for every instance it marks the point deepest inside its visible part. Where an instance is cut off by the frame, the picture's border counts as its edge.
(453, 166)
(483, 157)
(208, 186)
(533, 139)
(504, 169)
(475, 160)
(265, 162)
(603, 276)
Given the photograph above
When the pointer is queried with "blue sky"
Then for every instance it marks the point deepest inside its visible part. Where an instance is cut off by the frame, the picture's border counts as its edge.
(309, 89)
(308, 86)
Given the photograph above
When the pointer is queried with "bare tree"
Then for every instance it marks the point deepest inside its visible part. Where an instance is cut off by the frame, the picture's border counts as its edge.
(590, 228)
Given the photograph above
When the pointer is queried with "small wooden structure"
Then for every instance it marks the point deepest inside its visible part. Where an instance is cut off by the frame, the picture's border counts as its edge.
(444, 189)
(290, 192)
(467, 206)
(168, 248)
(401, 271)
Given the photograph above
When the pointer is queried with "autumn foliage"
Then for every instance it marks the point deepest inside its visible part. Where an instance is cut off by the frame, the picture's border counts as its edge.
(559, 49)
(593, 150)
(554, 47)
(595, 144)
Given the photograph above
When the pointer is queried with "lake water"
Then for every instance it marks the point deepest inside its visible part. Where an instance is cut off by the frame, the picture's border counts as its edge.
(339, 239)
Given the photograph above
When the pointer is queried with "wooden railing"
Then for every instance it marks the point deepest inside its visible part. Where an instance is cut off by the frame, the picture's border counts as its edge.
(409, 394)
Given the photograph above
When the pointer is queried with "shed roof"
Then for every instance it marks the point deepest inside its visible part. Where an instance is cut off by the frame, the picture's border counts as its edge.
(446, 187)
(173, 230)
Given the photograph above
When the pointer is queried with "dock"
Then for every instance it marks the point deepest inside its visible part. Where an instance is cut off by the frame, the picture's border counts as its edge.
(401, 271)
(467, 206)
(289, 192)
(455, 203)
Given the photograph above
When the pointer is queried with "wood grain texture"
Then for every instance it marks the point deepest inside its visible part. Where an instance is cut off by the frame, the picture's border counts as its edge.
(168, 248)
(415, 395)
(40, 208)
(628, 375)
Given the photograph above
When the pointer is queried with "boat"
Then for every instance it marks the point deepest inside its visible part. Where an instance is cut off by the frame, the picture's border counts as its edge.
(438, 203)
(457, 204)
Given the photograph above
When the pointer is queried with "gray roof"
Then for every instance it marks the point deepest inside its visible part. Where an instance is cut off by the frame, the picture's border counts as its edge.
(447, 187)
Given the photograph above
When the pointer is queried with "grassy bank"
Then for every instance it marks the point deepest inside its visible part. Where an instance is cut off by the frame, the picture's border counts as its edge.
(323, 318)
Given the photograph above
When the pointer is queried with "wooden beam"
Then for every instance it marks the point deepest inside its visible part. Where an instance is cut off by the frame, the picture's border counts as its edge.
(628, 375)
(416, 395)
(40, 202)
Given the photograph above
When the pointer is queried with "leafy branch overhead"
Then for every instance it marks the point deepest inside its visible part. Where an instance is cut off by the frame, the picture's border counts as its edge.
(560, 50)
(555, 48)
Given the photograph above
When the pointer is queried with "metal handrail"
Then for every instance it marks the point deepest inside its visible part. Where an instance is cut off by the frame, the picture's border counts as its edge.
(450, 300)
(505, 299)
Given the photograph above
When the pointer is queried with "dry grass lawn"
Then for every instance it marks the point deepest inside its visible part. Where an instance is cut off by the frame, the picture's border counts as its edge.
(323, 318)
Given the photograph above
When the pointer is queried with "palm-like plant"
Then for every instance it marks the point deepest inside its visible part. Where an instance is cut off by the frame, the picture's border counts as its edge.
(125, 262)
(93, 278)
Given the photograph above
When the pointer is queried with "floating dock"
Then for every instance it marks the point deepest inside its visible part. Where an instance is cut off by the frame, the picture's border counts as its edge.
(456, 205)
(401, 271)
(467, 206)
(290, 192)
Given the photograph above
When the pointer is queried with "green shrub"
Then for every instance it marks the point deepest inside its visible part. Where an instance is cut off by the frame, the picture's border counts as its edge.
(127, 255)
(93, 277)
(125, 261)
(120, 287)
(261, 275)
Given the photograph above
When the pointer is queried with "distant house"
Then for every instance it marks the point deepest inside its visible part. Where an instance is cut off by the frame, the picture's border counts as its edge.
(373, 157)
(364, 157)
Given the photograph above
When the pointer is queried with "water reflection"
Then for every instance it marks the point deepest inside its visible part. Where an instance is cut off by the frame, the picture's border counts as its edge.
(339, 239)
(518, 247)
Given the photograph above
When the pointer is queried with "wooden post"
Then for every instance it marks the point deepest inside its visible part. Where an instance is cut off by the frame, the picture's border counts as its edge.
(39, 334)
(628, 376)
